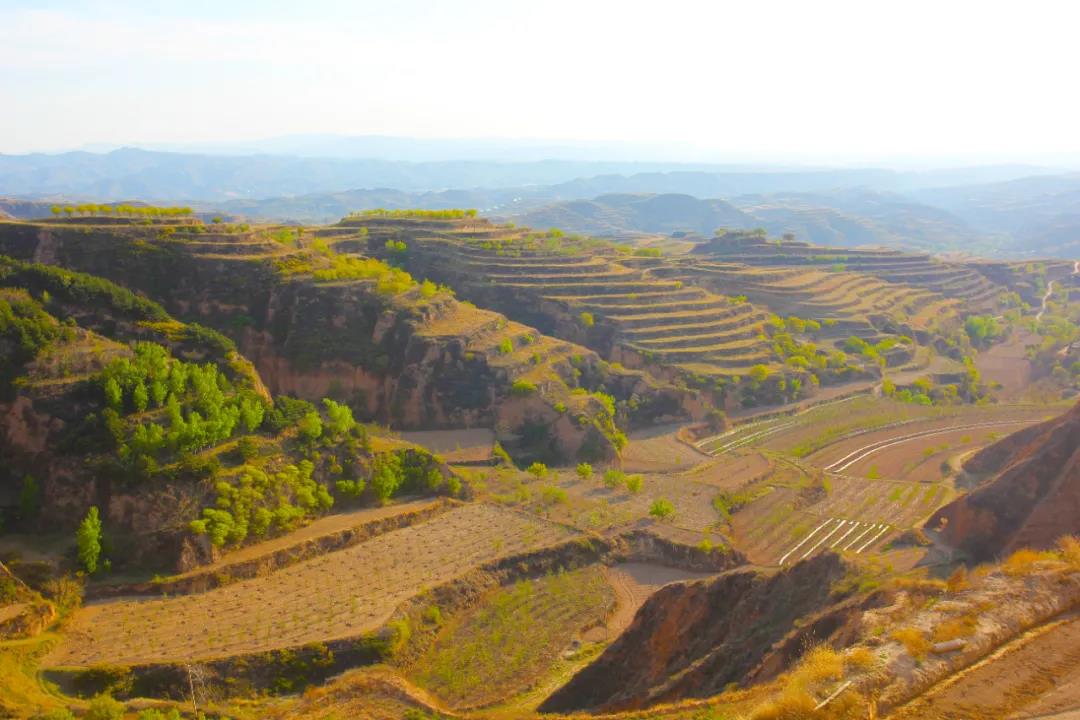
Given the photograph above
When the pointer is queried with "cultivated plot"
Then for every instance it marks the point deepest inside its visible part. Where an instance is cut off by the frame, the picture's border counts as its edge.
(341, 594)
(851, 514)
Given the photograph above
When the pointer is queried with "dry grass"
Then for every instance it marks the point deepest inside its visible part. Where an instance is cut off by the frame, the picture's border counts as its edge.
(817, 675)
(1026, 562)
(913, 640)
(953, 628)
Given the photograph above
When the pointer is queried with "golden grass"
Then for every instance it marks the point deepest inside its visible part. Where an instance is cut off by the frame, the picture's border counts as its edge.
(1025, 562)
(913, 640)
(954, 628)
(817, 675)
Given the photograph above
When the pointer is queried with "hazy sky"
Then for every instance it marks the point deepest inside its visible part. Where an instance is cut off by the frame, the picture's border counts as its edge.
(813, 78)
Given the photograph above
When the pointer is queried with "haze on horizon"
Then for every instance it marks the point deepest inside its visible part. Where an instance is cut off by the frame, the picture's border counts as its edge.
(784, 81)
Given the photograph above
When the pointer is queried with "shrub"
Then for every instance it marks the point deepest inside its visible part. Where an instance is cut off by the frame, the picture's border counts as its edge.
(506, 346)
(522, 388)
(913, 640)
(587, 319)
(538, 470)
(552, 495)
(661, 509)
(584, 471)
(634, 483)
(104, 707)
(953, 628)
(613, 477)
(821, 663)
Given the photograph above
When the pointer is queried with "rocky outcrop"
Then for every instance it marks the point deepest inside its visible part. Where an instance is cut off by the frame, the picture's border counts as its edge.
(1028, 496)
(692, 639)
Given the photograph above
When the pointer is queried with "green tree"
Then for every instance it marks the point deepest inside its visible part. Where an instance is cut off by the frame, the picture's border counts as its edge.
(538, 469)
(386, 476)
(88, 540)
(114, 396)
(339, 417)
(310, 426)
(140, 397)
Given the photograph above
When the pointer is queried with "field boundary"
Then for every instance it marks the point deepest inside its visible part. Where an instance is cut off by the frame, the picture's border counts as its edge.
(208, 579)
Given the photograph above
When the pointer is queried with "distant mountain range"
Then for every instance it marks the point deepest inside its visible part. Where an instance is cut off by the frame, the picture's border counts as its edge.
(1008, 209)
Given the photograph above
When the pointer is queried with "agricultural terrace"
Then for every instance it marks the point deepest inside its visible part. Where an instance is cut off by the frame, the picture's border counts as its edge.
(871, 468)
(799, 513)
(576, 284)
(606, 498)
(514, 638)
(950, 280)
(846, 302)
(340, 594)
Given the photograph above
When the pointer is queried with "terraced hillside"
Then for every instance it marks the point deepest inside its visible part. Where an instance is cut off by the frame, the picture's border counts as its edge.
(851, 302)
(951, 280)
(632, 316)
(317, 323)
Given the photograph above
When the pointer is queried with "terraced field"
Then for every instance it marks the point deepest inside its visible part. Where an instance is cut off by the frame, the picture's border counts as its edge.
(852, 300)
(340, 594)
(656, 318)
(513, 638)
(950, 280)
(852, 514)
(646, 316)
(881, 467)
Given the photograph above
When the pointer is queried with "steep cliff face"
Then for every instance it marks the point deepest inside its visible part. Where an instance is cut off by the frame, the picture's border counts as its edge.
(1029, 495)
(108, 401)
(693, 639)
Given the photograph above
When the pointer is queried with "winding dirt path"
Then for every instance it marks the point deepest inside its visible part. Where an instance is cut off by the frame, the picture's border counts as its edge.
(1046, 298)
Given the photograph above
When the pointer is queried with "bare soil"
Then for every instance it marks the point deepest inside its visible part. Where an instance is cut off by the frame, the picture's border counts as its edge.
(1007, 363)
(658, 450)
(341, 594)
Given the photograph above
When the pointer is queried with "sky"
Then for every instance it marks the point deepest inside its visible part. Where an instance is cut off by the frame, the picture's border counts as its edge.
(814, 80)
